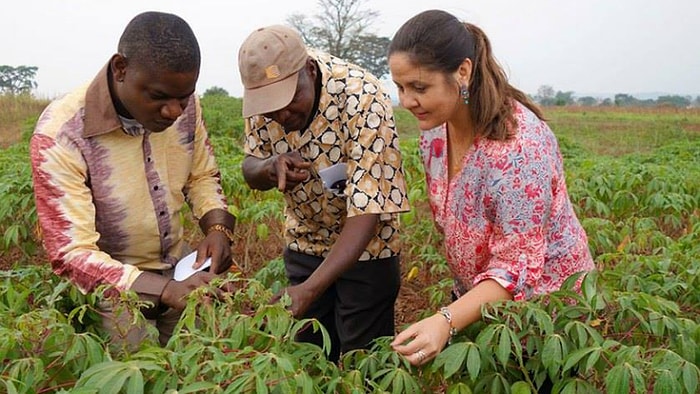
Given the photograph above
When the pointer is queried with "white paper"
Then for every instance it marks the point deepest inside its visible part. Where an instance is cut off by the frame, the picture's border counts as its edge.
(333, 174)
(184, 270)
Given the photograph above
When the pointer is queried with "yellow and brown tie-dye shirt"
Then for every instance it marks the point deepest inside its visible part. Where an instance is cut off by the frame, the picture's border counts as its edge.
(354, 124)
(108, 199)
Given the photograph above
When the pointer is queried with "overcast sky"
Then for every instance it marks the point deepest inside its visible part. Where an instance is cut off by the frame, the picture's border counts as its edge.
(591, 47)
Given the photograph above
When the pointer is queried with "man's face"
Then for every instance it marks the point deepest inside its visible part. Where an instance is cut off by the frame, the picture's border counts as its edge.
(154, 98)
(298, 112)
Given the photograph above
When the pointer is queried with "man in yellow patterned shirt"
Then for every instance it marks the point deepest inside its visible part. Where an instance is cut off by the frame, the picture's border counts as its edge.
(113, 164)
(309, 113)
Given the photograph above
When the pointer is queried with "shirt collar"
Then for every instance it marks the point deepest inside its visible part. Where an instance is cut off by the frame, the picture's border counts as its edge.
(100, 115)
(131, 126)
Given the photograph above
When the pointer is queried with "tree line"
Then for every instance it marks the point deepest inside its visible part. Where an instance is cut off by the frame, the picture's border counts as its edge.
(546, 96)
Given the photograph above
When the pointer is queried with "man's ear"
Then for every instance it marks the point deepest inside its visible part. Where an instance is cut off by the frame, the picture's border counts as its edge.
(313, 67)
(118, 65)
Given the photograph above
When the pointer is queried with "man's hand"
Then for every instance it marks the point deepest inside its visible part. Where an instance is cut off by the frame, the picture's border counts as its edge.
(215, 245)
(288, 170)
(301, 296)
(350, 244)
(175, 292)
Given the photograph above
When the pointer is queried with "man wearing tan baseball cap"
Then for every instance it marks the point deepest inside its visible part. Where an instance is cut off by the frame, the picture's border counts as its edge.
(270, 60)
(310, 114)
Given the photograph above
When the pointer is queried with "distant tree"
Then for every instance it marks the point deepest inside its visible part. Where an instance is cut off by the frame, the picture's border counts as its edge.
(587, 101)
(674, 101)
(343, 29)
(371, 55)
(215, 91)
(563, 98)
(17, 80)
(625, 100)
(545, 95)
(607, 102)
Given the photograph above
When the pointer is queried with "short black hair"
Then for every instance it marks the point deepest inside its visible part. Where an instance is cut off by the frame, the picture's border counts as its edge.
(160, 41)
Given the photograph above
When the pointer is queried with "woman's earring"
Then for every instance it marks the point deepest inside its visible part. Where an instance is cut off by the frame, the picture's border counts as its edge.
(464, 92)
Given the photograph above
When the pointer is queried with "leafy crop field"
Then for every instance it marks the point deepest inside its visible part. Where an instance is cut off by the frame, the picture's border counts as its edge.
(633, 176)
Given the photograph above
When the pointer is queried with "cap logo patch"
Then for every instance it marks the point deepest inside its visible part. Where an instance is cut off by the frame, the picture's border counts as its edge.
(272, 72)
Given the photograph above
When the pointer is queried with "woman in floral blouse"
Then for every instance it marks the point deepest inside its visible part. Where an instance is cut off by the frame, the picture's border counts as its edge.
(494, 173)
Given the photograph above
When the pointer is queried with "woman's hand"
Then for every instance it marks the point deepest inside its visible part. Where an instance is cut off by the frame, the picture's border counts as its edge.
(423, 341)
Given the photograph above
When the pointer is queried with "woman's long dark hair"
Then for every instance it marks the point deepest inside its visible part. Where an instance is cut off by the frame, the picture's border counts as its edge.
(440, 42)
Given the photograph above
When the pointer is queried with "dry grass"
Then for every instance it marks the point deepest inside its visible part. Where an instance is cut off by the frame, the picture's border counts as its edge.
(15, 111)
(615, 131)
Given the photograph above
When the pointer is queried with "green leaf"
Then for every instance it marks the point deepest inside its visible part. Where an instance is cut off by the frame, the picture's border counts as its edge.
(592, 359)
(575, 386)
(637, 379)
(459, 388)
(100, 375)
(262, 231)
(135, 385)
(666, 383)
(618, 380)
(410, 383)
(690, 377)
(260, 386)
(485, 336)
(388, 375)
(397, 384)
(553, 353)
(504, 343)
(304, 382)
(588, 286)
(9, 386)
(452, 357)
(197, 386)
(575, 357)
(473, 362)
(520, 387)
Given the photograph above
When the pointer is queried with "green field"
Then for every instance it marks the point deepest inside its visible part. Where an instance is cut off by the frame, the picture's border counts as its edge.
(633, 176)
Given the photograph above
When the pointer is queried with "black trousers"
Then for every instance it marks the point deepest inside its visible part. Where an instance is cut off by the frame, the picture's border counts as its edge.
(357, 308)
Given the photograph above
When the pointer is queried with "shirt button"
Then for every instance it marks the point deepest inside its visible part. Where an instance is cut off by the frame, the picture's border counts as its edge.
(155, 187)
(161, 213)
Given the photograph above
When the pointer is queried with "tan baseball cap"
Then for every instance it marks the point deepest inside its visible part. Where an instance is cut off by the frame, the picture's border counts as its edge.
(269, 61)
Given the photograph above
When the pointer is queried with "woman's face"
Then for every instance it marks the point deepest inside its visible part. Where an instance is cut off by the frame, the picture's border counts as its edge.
(431, 96)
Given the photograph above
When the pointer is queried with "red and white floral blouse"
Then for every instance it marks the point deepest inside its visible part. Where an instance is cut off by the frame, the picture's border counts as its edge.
(506, 214)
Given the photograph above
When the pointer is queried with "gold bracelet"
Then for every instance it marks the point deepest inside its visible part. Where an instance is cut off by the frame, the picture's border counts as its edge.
(448, 316)
(223, 229)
